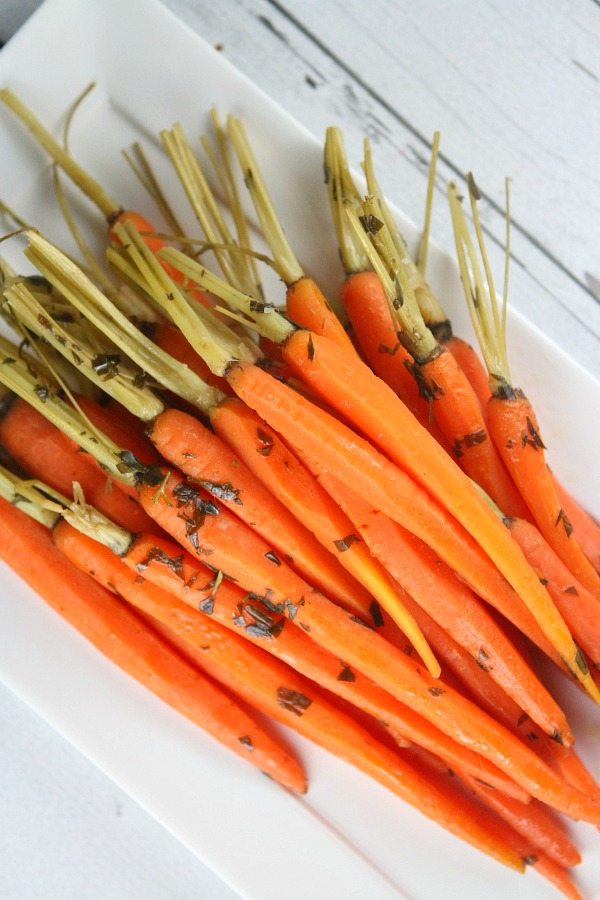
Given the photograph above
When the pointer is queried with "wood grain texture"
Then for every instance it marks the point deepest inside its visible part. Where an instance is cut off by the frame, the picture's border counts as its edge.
(513, 90)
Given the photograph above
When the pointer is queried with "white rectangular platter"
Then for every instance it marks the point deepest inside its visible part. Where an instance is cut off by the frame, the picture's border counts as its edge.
(348, 838)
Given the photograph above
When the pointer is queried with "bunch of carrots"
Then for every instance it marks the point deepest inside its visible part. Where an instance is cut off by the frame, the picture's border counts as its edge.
(344, 520)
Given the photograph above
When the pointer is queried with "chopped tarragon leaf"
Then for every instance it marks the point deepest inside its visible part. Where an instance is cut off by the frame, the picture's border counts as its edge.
(106, 364)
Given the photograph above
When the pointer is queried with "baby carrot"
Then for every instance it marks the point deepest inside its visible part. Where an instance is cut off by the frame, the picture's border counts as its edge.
(273, 687)
(117, 632)
(585, 527)
(511, 418)
(44, 451)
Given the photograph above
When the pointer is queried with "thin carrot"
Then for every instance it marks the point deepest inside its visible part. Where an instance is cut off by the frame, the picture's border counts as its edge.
(585, 527)
(579, 608)
(40, 448)
(435, 587)
(172, 341)
(456, 407)
(283, 474)
(511, 418)
(165, 565)
(274, 688)
(532, 821)
(205, 457)
(118, 633)
(353, 389)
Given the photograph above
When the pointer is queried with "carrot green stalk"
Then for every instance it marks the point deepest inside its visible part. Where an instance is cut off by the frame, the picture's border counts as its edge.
(107, 205)
(579, 608)
(277, 690)
(449, 601)
(117, 632)
(511, 418)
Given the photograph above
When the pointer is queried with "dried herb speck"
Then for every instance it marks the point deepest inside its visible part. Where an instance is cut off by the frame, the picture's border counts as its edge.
(376, 614)
(266, 442)
(346, 674)
(293, 701)
(106, 364)
(247, 743)
(345, 543)
(436, 691)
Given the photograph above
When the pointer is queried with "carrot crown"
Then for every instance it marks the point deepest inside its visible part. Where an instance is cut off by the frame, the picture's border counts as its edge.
(488, 321)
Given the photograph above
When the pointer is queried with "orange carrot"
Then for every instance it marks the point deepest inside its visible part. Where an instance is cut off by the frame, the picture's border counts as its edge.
(532, 821)
(43, 451)
(579, 608)
(515, 430)
(352, 389)
(287, 479)
(585, 527)
(435, 587)
(165, 565)
(117, 632)
(275, 689)
(470, 363)
(369, 312)
(202, 455)
(308, 308)
(240, 553)
(172, 341)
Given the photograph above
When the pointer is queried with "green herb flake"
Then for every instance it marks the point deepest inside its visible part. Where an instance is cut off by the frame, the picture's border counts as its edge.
(345, 543)
(106, 364)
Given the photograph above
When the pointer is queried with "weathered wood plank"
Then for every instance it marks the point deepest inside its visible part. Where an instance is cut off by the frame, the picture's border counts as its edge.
(402, 70)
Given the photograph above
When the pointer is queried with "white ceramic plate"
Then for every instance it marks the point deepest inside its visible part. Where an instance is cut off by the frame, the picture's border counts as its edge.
(349, 838)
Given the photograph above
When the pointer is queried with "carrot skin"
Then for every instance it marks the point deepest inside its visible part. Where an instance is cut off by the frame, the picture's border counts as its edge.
(579, 608)
(119, 634)
(170, 339)
(455, 608)
(288, 480)
(280, 692)
(472, 365)
(165, 565)
(204, 456)
(515, 430)
(587, 530)
(458, 413)
(307, 307)
(375, 410)
(44, 452)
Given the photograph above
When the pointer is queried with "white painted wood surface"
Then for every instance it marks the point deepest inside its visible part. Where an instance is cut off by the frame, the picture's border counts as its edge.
(514, 88)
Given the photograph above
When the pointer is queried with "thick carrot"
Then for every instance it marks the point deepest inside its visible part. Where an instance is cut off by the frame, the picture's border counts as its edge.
(435, 587)
(308, 308)
(287, 479)
(240, 553)
(586, 529)
(273, 687)
(579, 608)
(165, 565)
(204, 456)
(43, 451)
(515, 430)
(123, 428)
(351, 388)
(117, 632)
